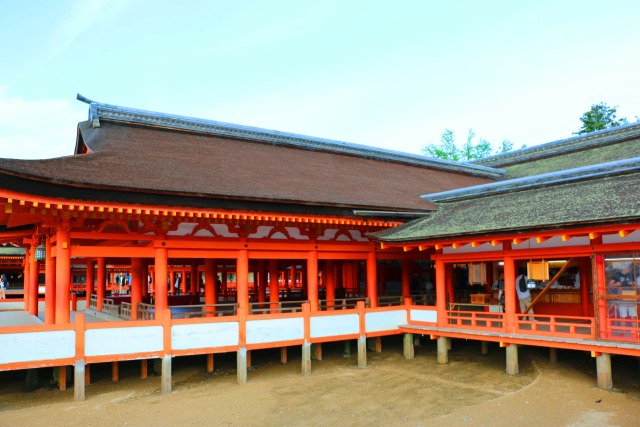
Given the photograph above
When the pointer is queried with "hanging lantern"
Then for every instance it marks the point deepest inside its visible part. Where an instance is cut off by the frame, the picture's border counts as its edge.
(41, 252)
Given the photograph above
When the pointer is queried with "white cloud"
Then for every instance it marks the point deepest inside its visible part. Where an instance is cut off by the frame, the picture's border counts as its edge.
(38, 129)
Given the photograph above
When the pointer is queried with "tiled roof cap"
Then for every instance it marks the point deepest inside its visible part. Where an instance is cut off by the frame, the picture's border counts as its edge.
(568, 175)
(563, 146)
(99, 111)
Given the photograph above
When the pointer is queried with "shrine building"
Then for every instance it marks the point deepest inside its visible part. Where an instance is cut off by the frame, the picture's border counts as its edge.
(165, 236)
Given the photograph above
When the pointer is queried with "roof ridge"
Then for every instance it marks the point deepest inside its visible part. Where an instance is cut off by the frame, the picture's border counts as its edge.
(546, 179)
(99, 111)
(562, 146)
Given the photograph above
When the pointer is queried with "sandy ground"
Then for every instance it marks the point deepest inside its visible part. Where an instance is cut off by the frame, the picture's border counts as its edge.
(472, 390)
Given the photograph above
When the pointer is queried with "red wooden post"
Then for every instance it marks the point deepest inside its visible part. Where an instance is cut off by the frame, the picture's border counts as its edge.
(160, 279)
(406, 277)
(26, 279)
(50, 286)
(137, 279)
(274, 287)
(441, 299)
(510, 296)
(330, 283)
(100, 286)
(372, 280)
(585, 273)
(63, 275)
(90, 280)
(601, 291)
(34, 278)
(312, 279)
(242, 279)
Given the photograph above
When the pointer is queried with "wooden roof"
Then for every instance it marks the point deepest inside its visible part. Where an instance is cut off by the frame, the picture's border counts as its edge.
(158, 160)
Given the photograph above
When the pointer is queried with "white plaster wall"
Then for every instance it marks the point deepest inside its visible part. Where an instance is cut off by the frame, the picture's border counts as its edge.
(385, 320)
(33, 346)
(101, 342)
(274, 330)
(204, 335)
(424, 315)
(329, 326)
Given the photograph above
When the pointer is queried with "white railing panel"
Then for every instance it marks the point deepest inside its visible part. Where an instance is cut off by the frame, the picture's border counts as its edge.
(204, 335)
(274, 330)
(424, 315)
(139, 339)
(329, 326)
(385, 320)
(34, 346)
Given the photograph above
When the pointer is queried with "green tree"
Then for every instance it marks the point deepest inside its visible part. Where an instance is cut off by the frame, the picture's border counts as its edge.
(600, 117)
(448, 150)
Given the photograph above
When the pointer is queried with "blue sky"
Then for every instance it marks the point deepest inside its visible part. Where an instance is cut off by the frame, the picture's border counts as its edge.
(381, 73)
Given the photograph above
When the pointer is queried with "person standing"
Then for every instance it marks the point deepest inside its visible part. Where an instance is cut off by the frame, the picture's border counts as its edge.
(524, 296)
(3, 286)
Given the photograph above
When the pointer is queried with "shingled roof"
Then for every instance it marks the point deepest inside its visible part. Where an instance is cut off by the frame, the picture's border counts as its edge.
(534, 204)
(131, 155)
(603, 146)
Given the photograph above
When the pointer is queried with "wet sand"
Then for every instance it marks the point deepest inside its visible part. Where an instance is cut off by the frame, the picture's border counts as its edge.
(471, 390)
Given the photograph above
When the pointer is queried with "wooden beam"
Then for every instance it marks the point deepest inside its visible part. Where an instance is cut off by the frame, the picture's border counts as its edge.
(551, 282)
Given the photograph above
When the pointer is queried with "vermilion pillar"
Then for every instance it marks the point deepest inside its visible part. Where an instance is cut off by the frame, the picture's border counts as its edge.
(63, 275)
(100, 286)
(262, 281)
(312, 280)
(274, 286)
(372, 280)
(33, 279)
(509, 293)
(160, 280)
(210, 282)
(50, 285)
(406, 277)
(601, 291)
(451, 293)
(441, 300)
(242, 279)
(195, 279)
(330, 282)
(585, 273)
(89, 286)
(26, 278)
(137, 280)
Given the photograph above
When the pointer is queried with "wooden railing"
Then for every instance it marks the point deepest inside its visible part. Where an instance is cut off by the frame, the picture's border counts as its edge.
(93, 302)
(125, 310)
(146, 311)
(475, 320)
(110, 308)
(276, 307)
(342, 303)
(207, 310)
(556, 326)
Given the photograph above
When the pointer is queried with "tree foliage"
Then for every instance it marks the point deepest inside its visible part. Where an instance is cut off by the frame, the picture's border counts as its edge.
(448, 150)
(600, 117)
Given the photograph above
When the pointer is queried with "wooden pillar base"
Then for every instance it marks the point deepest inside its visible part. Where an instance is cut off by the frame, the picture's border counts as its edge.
(443, 350)
(241, 365)
(283, 356)
(347, 349)
(408, 349)
(32, 380)
(485, 348)
(62, 377)
(166, 374)
(416, 340)
(553, 355)
(248, 358)
(87, 374)
(209, 362)
(114, 372)
(512, 359)
(316, 351)
(362, 351)
(306, 359)
(79, 380)
(144, 373)
(603, 371)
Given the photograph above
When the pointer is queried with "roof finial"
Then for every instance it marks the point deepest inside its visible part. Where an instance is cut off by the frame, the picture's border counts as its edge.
(84, 99)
